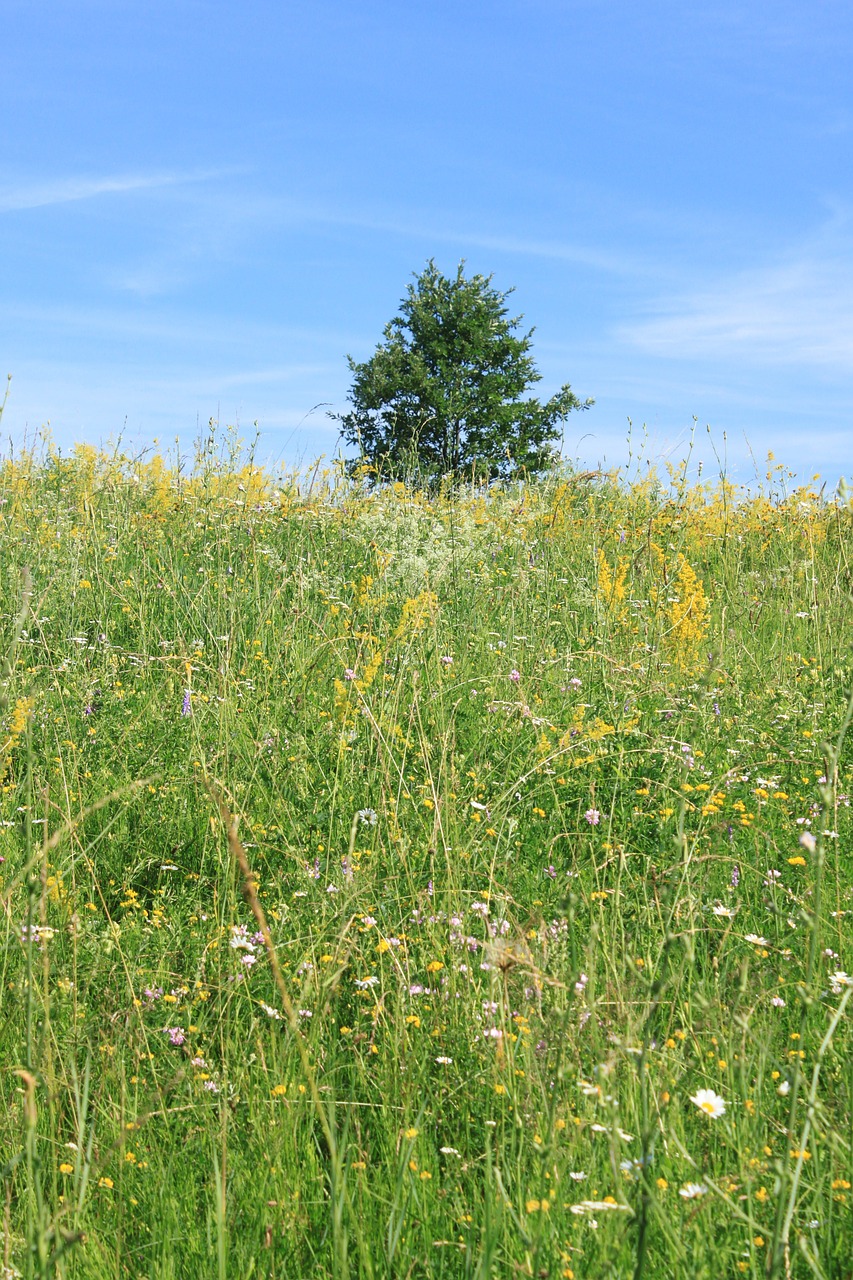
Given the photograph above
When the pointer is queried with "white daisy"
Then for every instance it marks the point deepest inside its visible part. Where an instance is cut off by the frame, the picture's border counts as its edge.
(709, 1102)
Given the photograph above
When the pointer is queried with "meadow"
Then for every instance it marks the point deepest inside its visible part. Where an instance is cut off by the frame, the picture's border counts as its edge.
(423, 884)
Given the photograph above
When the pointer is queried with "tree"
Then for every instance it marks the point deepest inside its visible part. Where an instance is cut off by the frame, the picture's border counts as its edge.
(443, 394)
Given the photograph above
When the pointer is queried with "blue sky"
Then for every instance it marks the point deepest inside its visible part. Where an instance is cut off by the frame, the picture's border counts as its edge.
(205, 206)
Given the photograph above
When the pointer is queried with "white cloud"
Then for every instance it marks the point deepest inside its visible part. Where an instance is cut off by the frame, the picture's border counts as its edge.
(797, 312)
(39, 195)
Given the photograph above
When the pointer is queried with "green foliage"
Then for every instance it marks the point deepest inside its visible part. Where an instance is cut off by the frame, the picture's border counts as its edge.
(530, 851)
(445, 393)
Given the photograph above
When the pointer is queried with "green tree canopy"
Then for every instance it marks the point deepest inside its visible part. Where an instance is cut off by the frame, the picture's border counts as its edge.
(444, 394)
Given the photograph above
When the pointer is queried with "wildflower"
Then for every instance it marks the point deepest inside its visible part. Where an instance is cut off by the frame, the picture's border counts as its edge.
(756, 940)
(367, 817)
(778, 1002)
(784, 1088)
(593, 817)
(797, 861)
(186, 707)
(364, 983)
(349, 674)
(596, 1206)
(577, 1176)
(176, 1035)
(448, 1151)
(709, 1102)
(411, 1133)
(444, 1061)
(808, 842)
(727, 913)
(838, 980)
(515, 676)
(446, 660)
(106, 1182)
(692, 1190)
(66, 1168)
(306, 1013)
(735, 876)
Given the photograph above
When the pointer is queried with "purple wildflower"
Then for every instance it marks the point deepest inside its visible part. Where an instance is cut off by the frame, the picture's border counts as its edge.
(186, 708)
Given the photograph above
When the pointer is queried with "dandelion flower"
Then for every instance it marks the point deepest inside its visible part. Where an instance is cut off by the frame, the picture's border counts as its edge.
(709, 1102)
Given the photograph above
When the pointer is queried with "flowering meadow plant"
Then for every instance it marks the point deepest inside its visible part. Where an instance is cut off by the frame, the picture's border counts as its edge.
(437, 883)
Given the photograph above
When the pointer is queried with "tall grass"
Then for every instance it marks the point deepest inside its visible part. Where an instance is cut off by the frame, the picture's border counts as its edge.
(386, 873)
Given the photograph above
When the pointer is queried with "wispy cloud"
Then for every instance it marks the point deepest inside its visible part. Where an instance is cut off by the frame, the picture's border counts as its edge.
(467, 238)
(796, 312)
(39, 195)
